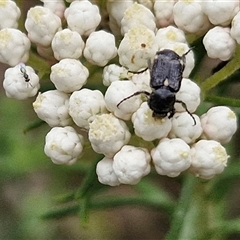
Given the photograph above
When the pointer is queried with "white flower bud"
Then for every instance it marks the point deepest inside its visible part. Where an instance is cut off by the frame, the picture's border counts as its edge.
(147, 3)
(235, 28)
(112, 73)
(164, 12)
(105, 172)
(137, 47)
(52, 107)
(169, 34)
(84, 105)
(189, 93)
(219, 43)
(21, 82)
(171, 157)
(190, 17)
(220, 12)
(56, 6)
(13, 40)
(69, 75)
(67, 44)
(82, 17)
(219, 124)
(108, 134)
(208, 159)
(147, 127)
(42, 24)
(100, 48)
(183, 127)
(142, 81)
(131, 163)
(9, 14)
(181, 49)
(63, 145)
(116, 11)
(136, 15)
(116, 92)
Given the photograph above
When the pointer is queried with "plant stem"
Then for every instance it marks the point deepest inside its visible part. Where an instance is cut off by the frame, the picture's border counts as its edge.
(222, 74)
(177, 222)
(223, 100)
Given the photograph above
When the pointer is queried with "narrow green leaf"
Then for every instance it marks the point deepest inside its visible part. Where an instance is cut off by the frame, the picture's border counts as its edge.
(61, 212)
(34, 125)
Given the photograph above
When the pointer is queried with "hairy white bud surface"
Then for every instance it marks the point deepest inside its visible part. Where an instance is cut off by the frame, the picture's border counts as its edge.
(67, 44)
(147, 127)
(189, 93)
(63, 145)
(116, 92)
(220, 12)
(136, 15)
(82, 17)
(219, 124)
(69, 75)
(169, 34)
(189, 16)
(219, 43)
(105, 172)
(208, 159)
(164, 12)
(131, 163)
(52, 107)
(100, 48)
(9, 14)
(183, 127)
(42, 24)
(21, 82)
(171, 157)
(108, 134)
(138, 45)
(112, 73)
(84, 105)
(13, 39)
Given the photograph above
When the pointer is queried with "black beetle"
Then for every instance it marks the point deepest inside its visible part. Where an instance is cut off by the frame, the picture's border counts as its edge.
(165, 81)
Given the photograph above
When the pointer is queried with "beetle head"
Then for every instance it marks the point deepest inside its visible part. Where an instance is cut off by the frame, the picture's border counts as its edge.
(161, 101)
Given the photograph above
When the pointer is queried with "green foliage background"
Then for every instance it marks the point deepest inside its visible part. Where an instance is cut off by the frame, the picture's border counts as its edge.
(40, 200)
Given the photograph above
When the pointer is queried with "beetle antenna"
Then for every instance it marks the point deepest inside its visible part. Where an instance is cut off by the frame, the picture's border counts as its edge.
(134, 94)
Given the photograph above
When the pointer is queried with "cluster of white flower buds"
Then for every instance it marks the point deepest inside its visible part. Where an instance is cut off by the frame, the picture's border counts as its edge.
(186, 141)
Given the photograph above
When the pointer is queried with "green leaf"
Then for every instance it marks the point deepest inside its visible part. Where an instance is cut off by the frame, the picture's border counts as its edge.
(38, 123)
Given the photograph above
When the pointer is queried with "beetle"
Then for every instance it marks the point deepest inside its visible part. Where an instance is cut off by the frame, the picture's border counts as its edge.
(165, 80)
(24, 72)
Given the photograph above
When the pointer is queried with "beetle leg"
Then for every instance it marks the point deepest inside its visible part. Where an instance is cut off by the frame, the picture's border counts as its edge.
(142, 71)
(134, 94)
(185, 107)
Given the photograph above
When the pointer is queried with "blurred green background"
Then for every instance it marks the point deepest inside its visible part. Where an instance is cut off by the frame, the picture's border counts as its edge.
(30, 184)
